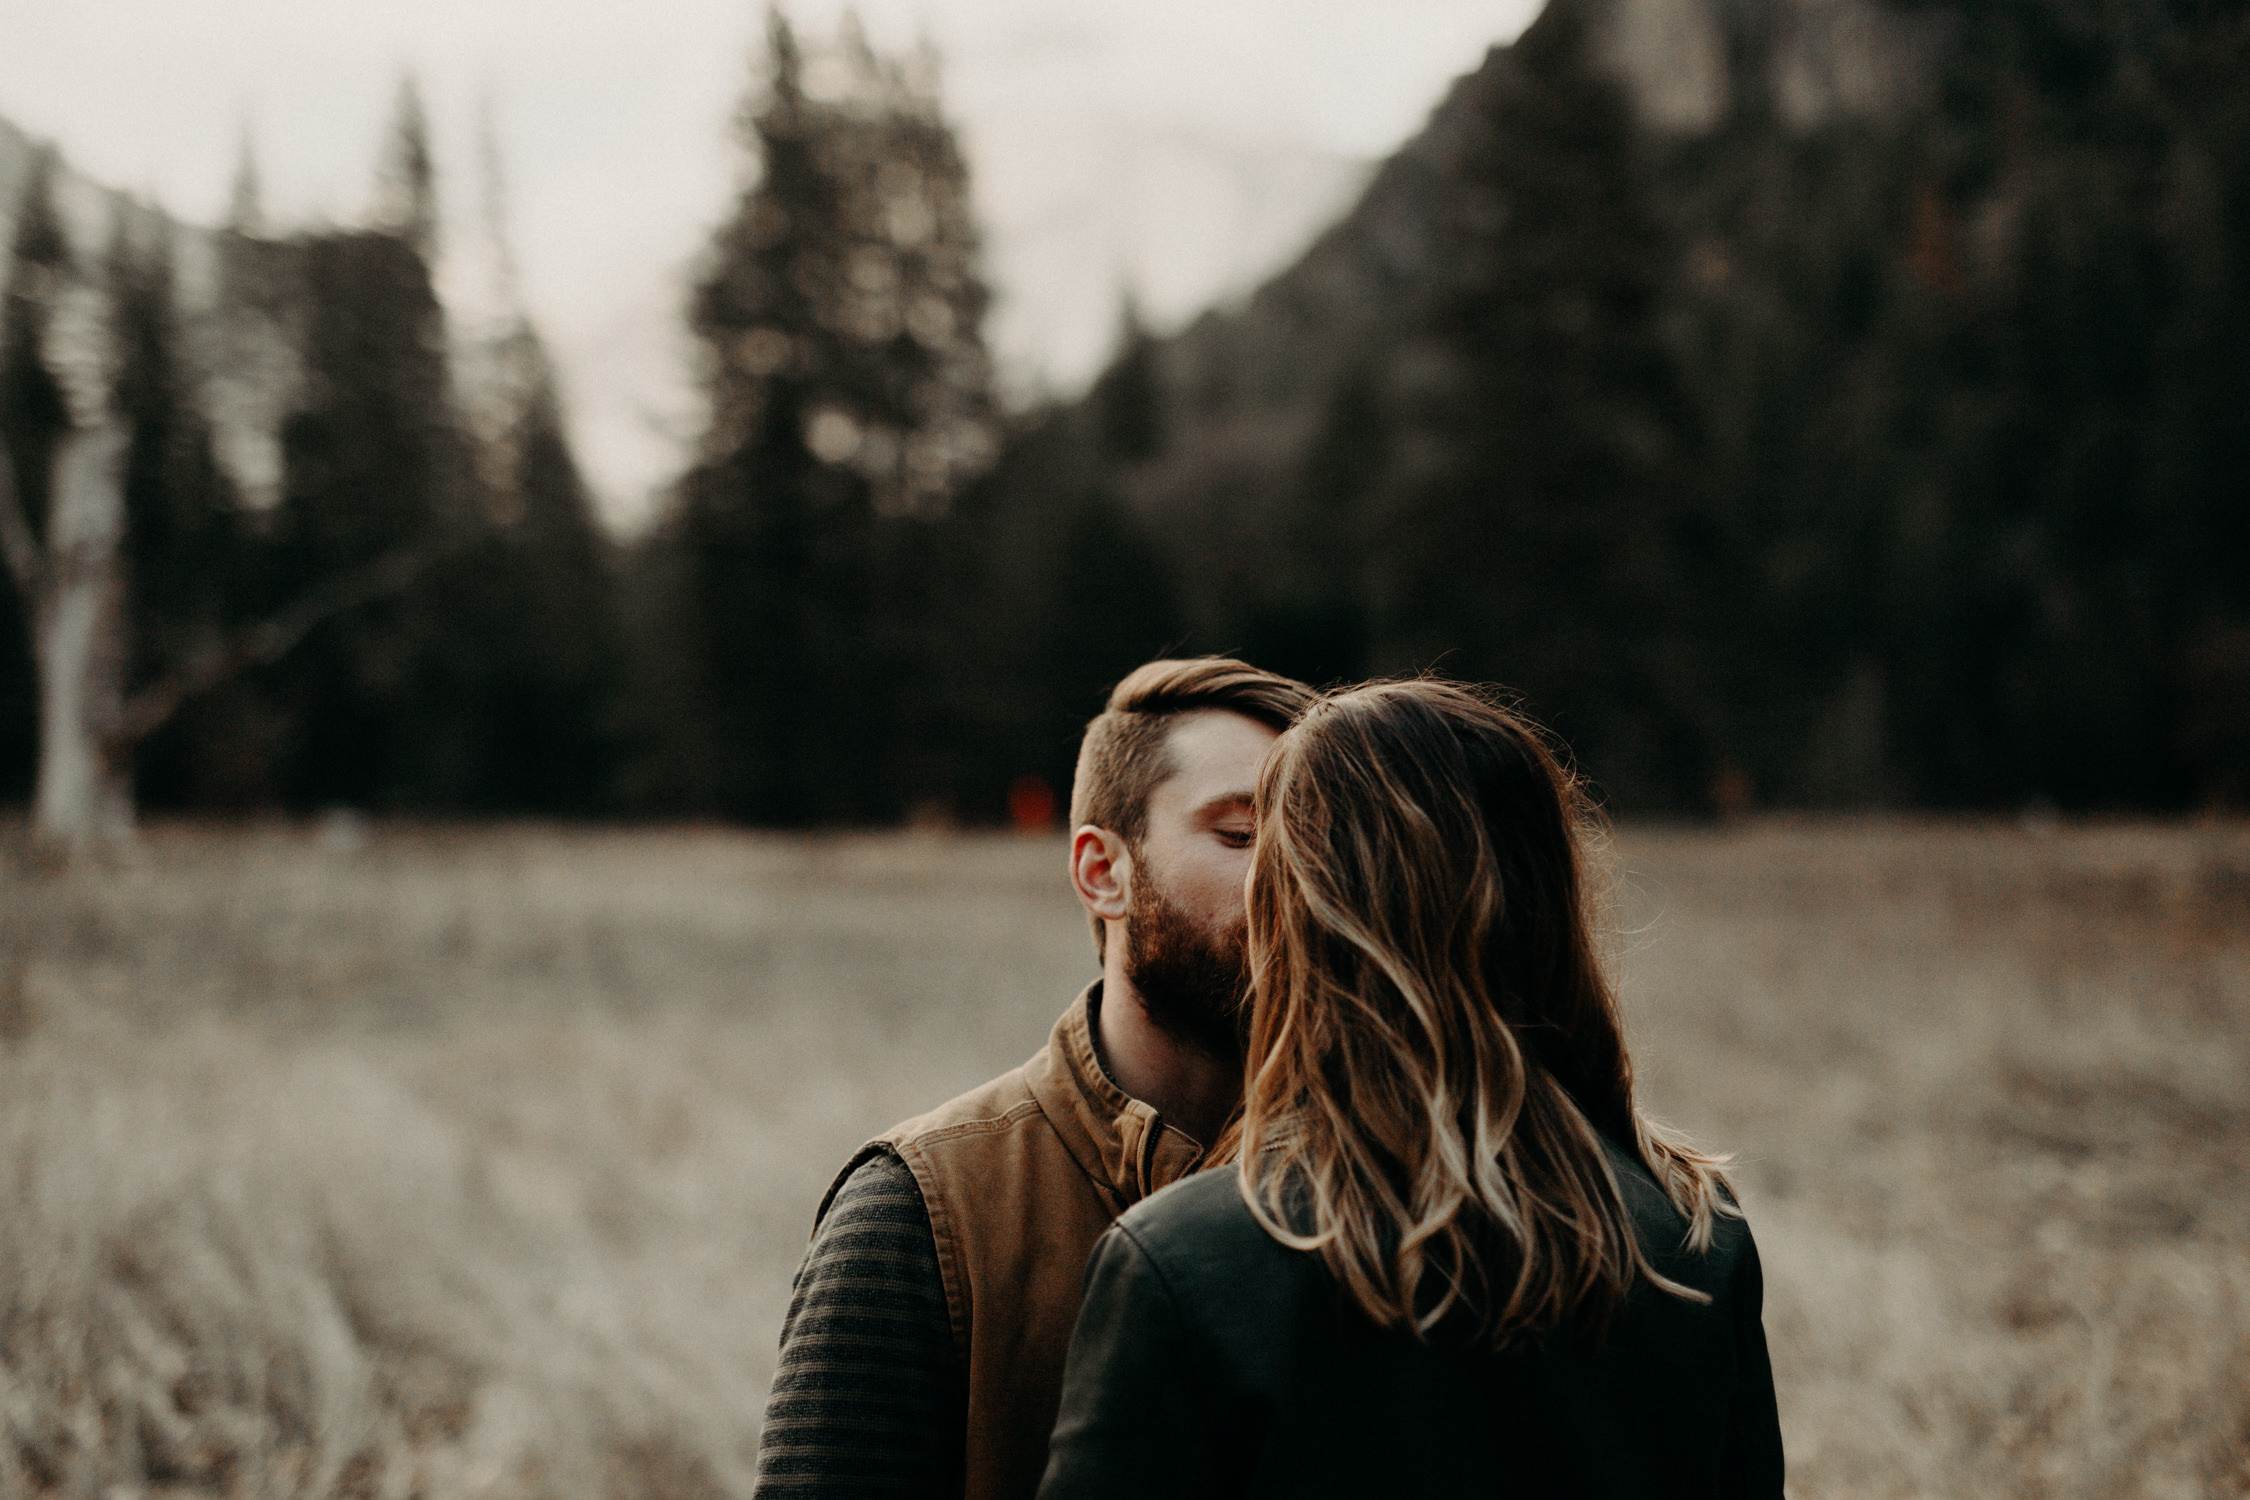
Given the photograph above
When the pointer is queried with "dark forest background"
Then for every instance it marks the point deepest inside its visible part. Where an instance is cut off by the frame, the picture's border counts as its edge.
(1899, 458)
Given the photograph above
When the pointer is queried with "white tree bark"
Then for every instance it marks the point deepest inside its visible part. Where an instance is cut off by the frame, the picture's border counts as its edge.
(84, 798)
(245, 360)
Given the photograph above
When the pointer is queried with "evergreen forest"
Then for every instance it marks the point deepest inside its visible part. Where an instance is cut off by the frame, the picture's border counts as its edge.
(1893, 455)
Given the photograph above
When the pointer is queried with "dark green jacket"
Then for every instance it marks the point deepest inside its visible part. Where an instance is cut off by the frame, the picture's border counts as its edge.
(1211, 1360)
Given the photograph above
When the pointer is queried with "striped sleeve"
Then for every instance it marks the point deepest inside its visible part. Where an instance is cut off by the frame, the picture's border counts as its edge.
(868, 1397)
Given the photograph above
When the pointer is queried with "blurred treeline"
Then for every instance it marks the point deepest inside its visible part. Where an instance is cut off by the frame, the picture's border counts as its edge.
(490, 681)
(1890, 454)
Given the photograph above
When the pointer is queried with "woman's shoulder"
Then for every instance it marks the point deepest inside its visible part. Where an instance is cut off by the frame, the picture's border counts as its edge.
(1201, 1265)
(1208, 1203)
(1663, 1228)
(1200, 1236)
(1199, 1228)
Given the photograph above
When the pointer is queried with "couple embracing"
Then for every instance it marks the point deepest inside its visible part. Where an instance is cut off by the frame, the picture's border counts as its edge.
(1332, 1184)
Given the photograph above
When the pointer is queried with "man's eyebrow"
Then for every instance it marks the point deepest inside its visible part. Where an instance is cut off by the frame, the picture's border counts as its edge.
(1227, 800)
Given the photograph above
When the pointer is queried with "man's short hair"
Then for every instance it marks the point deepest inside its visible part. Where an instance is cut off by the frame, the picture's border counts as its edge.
(1126, 753)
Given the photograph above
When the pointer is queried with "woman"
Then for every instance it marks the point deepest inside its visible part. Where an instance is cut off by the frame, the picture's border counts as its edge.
(1452, 1257)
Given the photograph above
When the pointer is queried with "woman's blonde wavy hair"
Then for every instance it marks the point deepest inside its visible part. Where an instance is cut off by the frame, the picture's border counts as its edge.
(1435, 1051)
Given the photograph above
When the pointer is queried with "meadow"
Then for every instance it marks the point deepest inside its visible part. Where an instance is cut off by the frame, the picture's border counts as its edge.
(475, 1161)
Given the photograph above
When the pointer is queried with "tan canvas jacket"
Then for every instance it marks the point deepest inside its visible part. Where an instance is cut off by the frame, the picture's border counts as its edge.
(1020, 1178)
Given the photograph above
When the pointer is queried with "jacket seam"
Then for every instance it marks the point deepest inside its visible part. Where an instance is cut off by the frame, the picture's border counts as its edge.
(1189, 1329)
(859, 1159)
(1156, 1266)
(951, 1273)
(988, 1125)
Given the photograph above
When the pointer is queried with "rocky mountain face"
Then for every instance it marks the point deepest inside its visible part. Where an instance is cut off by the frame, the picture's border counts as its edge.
(1690, 69)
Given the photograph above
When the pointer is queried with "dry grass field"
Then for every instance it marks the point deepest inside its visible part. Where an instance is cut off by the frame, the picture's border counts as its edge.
(476, 1162)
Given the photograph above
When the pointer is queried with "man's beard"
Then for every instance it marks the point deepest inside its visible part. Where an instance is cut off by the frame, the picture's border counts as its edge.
(1194, 983)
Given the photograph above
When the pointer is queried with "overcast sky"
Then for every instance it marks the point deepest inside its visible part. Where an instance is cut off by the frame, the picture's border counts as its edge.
(1186, 146)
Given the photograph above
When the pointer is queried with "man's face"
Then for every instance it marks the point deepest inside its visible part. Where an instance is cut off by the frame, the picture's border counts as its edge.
(1184, 923)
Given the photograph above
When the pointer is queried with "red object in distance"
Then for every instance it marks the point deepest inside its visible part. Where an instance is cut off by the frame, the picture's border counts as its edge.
(1031, 805)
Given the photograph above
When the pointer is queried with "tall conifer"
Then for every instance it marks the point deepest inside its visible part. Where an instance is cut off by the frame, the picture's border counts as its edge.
(849, 390)
(1522, 531)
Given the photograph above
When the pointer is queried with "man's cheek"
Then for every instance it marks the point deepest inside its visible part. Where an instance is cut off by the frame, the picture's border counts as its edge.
(1221, 900)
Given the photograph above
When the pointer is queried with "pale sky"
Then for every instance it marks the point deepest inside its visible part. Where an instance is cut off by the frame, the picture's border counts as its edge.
(1188, 147)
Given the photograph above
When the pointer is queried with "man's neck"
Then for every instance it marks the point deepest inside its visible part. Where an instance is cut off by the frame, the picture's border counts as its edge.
(1186, 1086)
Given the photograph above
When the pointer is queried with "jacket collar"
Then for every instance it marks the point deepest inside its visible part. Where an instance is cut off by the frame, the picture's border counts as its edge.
(1117, 1141)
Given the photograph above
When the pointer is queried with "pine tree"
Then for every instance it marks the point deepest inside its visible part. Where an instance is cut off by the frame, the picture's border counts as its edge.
(1522, 532)
(406, 183)
(32, 408)
(1128, 399)
(544, 640)
(378, 464)
(186, 544)
(33, 419)
(246, 196)
(539, 642)
(850, 398)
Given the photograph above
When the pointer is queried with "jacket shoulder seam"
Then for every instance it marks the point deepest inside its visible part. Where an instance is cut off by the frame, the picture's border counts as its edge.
(1155, 1265)
(983, 1125)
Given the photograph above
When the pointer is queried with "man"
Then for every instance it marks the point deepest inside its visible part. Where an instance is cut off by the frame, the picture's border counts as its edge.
(923, 1350)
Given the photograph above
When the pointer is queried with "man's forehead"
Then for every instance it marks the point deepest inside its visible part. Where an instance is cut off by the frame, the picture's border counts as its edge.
(1213, 754)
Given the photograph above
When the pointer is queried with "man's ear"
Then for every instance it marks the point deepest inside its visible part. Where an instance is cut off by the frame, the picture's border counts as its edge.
(1101, 871)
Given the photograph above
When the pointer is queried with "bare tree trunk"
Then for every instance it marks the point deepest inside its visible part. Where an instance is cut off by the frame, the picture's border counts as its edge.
(84, 797)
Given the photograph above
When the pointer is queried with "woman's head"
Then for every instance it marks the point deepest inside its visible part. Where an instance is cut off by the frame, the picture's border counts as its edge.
(1416, 834)
(1435, 1050)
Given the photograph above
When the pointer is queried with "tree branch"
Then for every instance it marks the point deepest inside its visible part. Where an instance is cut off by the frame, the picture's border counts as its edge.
(21, 550)
(270, 639)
